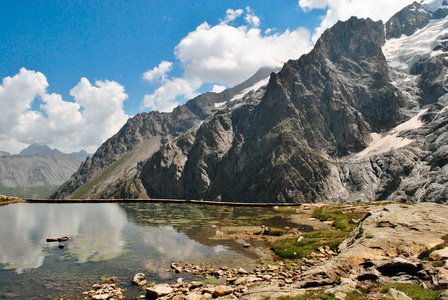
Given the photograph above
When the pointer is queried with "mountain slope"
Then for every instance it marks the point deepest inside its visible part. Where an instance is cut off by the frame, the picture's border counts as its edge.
(110, 172)
(362, 117)
(35, 175)
(316, 109)
(339, 124)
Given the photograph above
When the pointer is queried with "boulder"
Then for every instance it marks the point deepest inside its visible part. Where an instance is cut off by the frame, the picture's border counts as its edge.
(326, 273)
(439, 254)
(440, 278)
(101, 297)
(139, 279)
(396, 230)
(443, 296)
(197, 296)
(222, 290)
(157, 291)
(397, 295)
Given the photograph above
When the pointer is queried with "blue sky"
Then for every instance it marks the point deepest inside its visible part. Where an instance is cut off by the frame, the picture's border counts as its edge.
(74, 71)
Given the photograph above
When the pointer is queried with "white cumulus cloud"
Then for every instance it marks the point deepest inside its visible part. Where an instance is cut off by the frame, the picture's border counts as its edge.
(159, 73)
(218, 88)
(96, 114)
(225, 55)
(165, 97)
(231, 15)
(344, 9)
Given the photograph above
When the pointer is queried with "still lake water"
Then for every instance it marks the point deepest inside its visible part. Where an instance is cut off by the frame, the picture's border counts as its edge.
(118, 239)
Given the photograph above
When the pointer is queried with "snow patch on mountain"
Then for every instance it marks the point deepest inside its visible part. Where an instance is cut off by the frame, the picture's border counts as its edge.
(254, 87)
(402, 53)
(382, 144)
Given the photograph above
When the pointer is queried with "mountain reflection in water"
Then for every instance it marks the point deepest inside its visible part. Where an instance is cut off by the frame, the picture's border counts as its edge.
(116, 239)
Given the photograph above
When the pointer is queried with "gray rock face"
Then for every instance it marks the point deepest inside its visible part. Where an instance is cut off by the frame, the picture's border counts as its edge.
(276, 148)
(110, 172)
(338, 124)
(35, 175)
(407, 21)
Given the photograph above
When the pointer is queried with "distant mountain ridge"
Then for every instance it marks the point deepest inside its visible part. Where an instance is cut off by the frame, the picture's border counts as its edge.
(37, 171)
(362, 117)
(39, 148)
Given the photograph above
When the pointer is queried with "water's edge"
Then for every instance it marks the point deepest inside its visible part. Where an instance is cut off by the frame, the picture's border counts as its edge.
(156, 201)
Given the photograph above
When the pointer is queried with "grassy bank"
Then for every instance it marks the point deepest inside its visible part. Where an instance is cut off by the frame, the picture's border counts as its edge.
(342, 220)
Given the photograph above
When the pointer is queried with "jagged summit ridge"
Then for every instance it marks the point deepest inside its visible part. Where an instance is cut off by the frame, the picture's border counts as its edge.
(343, 123)
(111, 171)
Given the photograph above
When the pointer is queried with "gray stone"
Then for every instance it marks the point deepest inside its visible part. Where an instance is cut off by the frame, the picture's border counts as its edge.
(385, 234)
(139, 279)
(157, 291)
(443, 296)
(397, 295)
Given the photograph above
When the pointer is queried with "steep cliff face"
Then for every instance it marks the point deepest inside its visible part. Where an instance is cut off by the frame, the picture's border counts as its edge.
(343, 123)
(110, 172)
(280, 147)
(362, 117)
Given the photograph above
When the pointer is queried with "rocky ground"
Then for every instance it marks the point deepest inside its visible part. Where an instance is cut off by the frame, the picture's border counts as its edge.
(4, 200)
(397, 251)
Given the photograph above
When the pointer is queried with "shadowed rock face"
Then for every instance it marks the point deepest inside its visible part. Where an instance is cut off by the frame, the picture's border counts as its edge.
(276, 148)
(407, 21)
(110, 172)
(338, 124)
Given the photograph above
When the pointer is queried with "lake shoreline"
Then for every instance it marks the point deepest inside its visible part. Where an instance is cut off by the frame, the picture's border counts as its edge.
(29, 200)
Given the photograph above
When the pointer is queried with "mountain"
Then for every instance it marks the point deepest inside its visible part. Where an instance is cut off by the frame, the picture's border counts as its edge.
(37, 171)
(80, 155)
(38, 148)
(362, 117)
(111, 171)
(35, 175)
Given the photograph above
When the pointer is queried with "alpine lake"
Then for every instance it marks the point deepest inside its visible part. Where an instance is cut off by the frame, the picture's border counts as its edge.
(120, 240)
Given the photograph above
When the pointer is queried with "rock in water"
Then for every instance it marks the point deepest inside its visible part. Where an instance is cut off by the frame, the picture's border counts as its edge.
(139, 279)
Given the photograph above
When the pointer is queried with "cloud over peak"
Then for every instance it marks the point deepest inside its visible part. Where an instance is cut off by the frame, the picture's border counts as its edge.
(96, 114)
(224, 55)
(344, 9)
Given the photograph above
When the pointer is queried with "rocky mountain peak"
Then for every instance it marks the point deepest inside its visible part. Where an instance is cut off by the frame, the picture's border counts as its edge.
(355, 38)
(38, 148)
(356, 119)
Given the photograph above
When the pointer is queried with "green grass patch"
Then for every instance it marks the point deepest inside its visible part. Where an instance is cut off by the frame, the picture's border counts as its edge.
(415, 291)
(86, 188)
(320, 295)
(311, 242)
(343, 218)
(10, 267)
